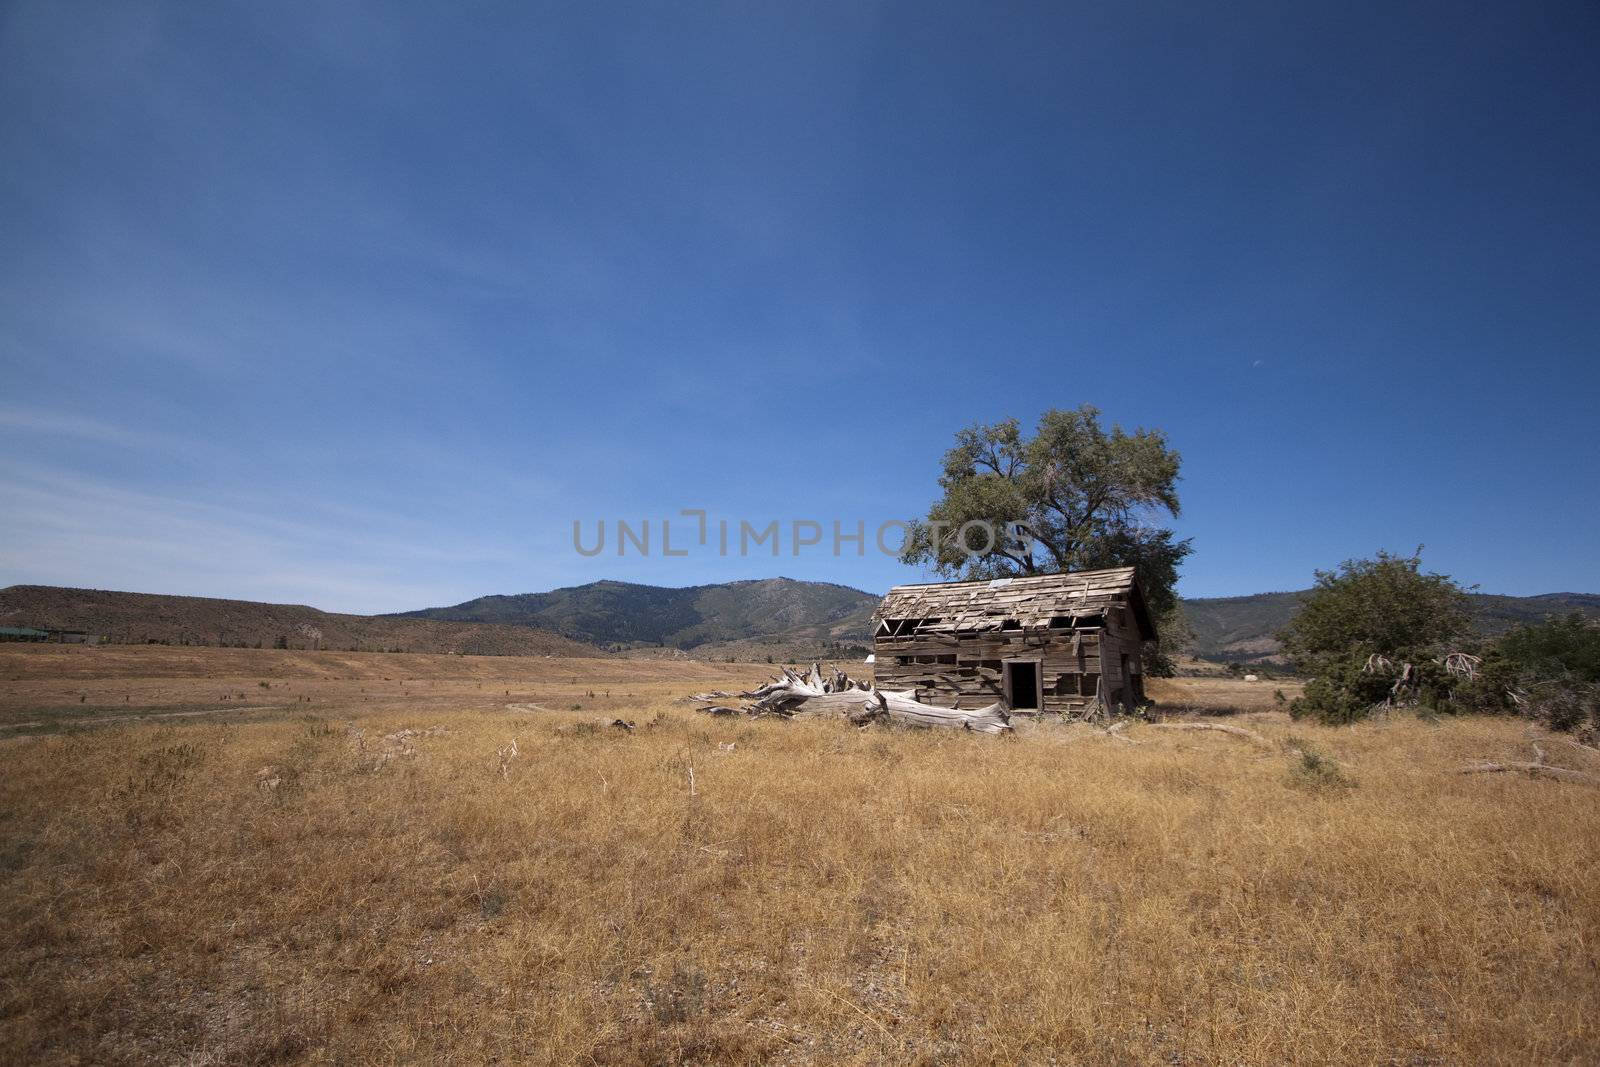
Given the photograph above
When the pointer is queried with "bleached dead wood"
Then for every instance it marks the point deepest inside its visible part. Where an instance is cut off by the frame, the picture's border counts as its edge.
(905, 711)
(1236, 731)
(838, 694)
(1462, 664)
(506, 753)
(1115, 732)
(1538, 749)
(1536, 769)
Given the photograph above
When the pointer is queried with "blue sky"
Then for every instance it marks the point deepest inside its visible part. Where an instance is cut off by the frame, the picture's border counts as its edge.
(362, 305)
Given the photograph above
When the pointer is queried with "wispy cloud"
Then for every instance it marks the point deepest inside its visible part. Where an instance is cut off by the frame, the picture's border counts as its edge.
(79, 427)
(62, 528)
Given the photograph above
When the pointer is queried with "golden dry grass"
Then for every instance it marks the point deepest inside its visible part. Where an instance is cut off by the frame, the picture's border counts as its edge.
(304, 887)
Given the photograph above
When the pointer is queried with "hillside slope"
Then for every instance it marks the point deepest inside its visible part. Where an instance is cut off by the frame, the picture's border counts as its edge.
(1244, 627)
(144, 617)
(777, 618)
(624, 613)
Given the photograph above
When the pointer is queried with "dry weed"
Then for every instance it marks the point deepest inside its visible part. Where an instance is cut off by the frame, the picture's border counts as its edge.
(414, 889)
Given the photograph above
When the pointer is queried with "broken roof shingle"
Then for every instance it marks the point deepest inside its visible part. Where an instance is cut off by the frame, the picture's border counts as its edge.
(979, 605)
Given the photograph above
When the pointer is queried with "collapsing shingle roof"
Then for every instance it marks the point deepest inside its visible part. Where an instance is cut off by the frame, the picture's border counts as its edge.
(1031, 601)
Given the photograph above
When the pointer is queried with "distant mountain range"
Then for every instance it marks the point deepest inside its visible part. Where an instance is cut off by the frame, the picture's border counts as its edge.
(780, 619)
(1243, 628)
(791, 619)
(139, 618)
(769, 616)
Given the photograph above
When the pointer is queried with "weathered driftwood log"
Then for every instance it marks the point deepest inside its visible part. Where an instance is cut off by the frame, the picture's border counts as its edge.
(838, 694)
(1544, 769)
(904, 710)
(786, 694)
(1237, 731)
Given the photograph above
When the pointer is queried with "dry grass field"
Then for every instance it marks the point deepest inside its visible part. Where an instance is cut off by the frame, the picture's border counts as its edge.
(349, 864)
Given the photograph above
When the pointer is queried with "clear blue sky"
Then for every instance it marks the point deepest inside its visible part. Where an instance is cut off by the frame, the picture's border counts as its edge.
(362, 305)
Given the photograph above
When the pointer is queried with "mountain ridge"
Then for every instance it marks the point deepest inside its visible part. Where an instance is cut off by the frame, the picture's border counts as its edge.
(700, 620)
(782, 619)
(1243, 628)
(631, 614)
(161, 618)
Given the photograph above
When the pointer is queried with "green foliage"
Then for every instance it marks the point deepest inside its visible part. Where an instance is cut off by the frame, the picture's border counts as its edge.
(1567, 647)
(1313, 771)
(1341, 692)
(1086, 496)
(1554, 668)
(1384, 607)
(1177, 636)
(1567, 705)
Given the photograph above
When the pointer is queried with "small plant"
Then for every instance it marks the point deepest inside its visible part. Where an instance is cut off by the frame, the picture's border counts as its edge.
(491, 901)
(265, 685)
(681, 998)
(1315, 771)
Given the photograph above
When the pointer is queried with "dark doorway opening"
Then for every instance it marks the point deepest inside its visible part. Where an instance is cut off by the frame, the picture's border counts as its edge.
(1022, 686)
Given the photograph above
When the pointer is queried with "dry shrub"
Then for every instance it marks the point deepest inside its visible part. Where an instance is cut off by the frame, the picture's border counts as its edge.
(1314, 770)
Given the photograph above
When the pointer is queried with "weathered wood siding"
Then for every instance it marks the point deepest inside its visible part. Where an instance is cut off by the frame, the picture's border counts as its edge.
(965, 670)
(950, 643)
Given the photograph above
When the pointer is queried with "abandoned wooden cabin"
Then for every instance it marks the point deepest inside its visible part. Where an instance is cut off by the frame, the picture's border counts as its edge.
(1045, 643)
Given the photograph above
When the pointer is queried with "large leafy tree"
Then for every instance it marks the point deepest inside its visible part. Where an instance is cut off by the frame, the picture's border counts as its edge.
(1384, 607)
(1088, 498)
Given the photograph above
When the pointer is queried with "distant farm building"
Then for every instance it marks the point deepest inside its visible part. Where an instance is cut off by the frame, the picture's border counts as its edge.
(1047, 643)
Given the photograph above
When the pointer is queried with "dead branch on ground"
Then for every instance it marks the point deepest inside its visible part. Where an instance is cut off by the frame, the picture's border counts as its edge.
(1237, 731)
(1535, 769)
